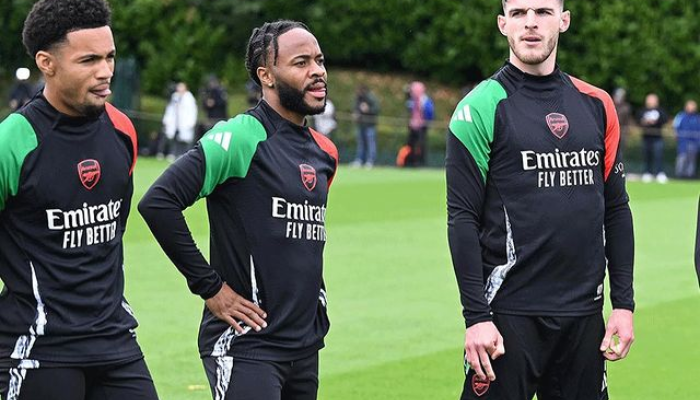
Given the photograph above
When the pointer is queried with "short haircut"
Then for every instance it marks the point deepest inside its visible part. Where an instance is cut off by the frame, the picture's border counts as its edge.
(258, 50)
(50, 21)
(503, 3)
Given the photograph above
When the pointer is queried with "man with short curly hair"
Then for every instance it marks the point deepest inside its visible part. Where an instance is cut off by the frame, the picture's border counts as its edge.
(66, 162)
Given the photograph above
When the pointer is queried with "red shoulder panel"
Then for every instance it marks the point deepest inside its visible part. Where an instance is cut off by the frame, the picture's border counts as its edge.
(123, 125)
(326, 145)
(612, 130)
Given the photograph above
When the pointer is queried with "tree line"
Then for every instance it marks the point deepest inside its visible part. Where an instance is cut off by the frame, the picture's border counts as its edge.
(643, 46)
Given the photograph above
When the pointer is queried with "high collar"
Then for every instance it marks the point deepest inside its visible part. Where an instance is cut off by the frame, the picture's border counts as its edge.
(64, 122)
(535, 86)
(518, 74)
(280, 122)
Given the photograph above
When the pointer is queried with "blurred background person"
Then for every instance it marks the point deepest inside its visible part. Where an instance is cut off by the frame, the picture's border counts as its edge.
(179, 122)
(22, 90)
(624, 114)
(253, 93)
(325, 123)
(421, 109)
(365, 115)
(652, 118)
(687, 127)
(214, 102)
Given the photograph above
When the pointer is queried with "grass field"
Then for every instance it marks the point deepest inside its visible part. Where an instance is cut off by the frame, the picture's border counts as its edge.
(396, 323)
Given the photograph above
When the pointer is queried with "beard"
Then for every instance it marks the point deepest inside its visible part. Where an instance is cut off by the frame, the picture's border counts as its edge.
(534, 58)
(91, 110)
(293, 100)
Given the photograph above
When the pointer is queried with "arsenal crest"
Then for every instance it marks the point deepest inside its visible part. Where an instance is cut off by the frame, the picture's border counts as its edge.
(480, 387)
(89, 173)
(558, 124)
(308, 176)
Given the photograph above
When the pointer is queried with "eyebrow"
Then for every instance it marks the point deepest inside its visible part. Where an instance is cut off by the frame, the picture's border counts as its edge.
(96, 55)
(306, 56)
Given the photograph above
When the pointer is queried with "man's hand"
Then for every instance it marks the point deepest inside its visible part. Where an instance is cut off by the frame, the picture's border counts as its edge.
(483, 341)
(619, 335)
(228, 306)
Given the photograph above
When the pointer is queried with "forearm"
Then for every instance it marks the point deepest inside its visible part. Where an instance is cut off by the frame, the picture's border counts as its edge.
(466, 260)
(619, 250)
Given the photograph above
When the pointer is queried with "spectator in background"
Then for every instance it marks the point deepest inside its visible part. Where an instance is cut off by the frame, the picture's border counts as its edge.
(325, 122)
(421, 109)
(652, 118)
(624, 114)
(214, 102)
(253, 93)
(687, 127)
(365, 115)
(179, 122)
(21, 91)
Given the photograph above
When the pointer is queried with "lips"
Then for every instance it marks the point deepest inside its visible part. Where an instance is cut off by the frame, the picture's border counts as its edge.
(531, 39)
(101, 91)
(317, 90)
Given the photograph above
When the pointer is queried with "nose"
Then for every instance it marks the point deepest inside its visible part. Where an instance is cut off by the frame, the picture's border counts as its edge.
(531, 20)
(318, 70)
(105, 69)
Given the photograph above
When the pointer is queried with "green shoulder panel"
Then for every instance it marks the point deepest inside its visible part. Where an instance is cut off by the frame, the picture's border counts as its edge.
(229, 148)
(17, 139)
(473, 121)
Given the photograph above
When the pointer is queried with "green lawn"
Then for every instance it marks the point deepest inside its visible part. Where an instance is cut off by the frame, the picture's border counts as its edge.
(396, 322)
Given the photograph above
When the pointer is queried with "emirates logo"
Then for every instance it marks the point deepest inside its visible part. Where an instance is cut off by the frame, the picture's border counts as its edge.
(89, 172)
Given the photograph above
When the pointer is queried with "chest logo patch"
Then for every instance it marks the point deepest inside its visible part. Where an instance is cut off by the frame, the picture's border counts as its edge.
(89, 172)
(308, 176)
(558, 124)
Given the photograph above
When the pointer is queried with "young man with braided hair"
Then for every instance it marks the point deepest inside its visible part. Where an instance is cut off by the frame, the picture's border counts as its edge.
(265, 176)
(537, 208)
(66, 162)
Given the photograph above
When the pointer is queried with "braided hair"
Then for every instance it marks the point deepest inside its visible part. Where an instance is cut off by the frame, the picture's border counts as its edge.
(50, 21)
(258, 49)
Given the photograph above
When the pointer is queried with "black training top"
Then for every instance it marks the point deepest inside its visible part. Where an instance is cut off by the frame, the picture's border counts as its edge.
(266, 183)
(536, 198)
(65, 193)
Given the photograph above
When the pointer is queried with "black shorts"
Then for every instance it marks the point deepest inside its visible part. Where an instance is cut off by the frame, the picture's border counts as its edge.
(118, 381)
(243, 379)
(557, 358)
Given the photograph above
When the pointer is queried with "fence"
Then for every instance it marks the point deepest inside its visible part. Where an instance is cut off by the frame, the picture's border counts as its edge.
(392, 133)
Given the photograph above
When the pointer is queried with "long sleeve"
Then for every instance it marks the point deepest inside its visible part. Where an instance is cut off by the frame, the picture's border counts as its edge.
(174, 191)
(467, 164)
(465, 194)
(619, 232)
(619, 250)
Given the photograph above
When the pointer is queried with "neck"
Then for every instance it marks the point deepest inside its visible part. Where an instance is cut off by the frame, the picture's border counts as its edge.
(546, 67)
(53, 97)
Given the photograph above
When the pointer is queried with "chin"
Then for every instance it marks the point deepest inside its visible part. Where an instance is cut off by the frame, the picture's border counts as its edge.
(92, 110)
(315, 107)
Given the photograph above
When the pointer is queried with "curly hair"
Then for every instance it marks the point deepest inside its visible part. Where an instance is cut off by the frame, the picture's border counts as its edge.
(258, 49)
(50, 21)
